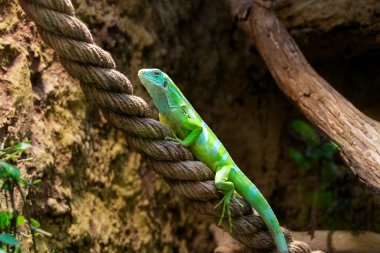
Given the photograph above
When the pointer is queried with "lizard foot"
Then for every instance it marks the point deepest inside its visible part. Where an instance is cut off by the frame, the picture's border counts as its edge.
(226, 206)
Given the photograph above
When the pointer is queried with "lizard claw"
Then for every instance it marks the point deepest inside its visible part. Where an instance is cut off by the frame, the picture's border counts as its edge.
(175, 139)
(239, 202)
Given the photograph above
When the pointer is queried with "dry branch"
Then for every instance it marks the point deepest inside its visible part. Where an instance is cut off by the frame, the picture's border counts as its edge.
(339, 241)
(357, 135)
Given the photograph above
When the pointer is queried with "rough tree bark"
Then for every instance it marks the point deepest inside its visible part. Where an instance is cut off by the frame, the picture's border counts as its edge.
(357, 136)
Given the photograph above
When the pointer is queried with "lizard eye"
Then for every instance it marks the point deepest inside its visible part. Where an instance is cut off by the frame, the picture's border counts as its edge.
(156, 73)
(165, 84)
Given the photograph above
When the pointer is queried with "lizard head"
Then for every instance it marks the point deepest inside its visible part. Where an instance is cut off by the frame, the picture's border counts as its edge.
(154, 79)
(158, 85)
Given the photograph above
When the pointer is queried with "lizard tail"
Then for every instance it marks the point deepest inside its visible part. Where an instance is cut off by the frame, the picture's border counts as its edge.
(250, 193)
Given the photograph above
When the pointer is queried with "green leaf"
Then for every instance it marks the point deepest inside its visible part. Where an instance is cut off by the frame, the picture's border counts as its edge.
(306, 131)
(306, 165)
(9, 239)
(314, 154)
(20, 220)
(329, 149)
(299, 158)
(23, 182)
(296, 155)
(4, 220)
(7, 170)
(325, 199)
(34, 223)
(18, 148)
(37, 181)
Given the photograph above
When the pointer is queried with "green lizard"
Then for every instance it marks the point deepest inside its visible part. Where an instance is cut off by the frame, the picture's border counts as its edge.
(193, 133)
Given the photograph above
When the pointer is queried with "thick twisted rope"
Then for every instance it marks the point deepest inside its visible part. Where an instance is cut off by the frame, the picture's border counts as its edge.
(111, 91)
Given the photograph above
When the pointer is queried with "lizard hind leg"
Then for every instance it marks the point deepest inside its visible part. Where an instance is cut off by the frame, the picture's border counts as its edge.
(227, 187)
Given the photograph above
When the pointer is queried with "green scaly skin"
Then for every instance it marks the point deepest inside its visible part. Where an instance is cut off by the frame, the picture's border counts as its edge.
(193, 133)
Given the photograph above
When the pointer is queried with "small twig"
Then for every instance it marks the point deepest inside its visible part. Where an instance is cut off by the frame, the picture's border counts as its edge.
(25, 159)
(13, 226)
(14, 211)
(6, 196)
(3, 143)
(43, 232)
(28, 217)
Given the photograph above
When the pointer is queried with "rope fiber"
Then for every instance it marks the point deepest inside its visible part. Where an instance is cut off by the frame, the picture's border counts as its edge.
(111, 91)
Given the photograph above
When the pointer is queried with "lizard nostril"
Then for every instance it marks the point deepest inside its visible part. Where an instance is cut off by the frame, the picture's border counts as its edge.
(141, 72)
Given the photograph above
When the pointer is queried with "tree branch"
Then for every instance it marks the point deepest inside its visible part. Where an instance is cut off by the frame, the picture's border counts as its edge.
(357, 135)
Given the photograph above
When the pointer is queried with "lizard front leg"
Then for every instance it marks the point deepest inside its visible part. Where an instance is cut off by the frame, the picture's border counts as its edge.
(195, 128)
(187, 123)
(227, 187)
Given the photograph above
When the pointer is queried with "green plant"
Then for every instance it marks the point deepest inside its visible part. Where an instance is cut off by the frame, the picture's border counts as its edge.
(316, 156)
(11, 183)
(316, 152)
